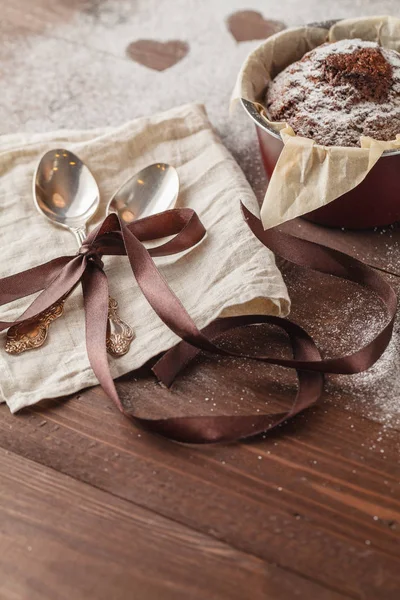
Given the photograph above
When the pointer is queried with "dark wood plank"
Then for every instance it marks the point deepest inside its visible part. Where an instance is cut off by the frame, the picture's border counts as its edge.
(314, 498)
(61, 539)
(316, 502)
(41, 15)
(318, 498)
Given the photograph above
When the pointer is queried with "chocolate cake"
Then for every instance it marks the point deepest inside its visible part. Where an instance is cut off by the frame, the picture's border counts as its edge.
(338, 92)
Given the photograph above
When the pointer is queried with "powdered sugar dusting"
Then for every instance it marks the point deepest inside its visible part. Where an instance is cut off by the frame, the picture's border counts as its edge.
(336, 108)
(109, 89)
(342, 47)
(376, 391)
(340, 325)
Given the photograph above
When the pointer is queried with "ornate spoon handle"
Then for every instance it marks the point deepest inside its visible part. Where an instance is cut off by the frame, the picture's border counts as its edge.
(33, 334)
(119, 334)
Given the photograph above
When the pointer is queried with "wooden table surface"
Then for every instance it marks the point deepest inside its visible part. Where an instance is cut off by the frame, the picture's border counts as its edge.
(93, 508)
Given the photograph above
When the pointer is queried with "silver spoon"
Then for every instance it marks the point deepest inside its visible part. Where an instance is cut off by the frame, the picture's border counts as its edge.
(152, 190)
(66, 193)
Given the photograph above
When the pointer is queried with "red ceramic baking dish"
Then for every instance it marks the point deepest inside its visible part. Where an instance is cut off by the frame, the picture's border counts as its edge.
(375, 202)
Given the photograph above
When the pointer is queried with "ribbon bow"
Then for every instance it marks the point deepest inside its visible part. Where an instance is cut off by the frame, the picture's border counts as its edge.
(59, 277)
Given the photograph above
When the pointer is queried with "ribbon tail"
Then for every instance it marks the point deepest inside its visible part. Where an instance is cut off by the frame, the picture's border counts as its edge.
(95, 295)
(56, 278)
(218, 429)
(326, 260)
(159, 295)
(307, 361)
(30, 281)
(200, 430)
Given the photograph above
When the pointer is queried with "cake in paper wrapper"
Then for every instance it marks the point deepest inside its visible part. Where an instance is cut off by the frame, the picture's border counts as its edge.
(339, 91)
(333, 94)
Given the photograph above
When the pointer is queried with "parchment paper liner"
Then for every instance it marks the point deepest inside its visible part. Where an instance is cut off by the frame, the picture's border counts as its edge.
(308, 175)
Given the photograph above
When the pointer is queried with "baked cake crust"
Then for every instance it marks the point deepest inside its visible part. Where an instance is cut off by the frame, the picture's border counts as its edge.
(338, 92)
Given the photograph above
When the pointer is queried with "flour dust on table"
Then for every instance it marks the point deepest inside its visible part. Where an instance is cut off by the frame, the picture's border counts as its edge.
(114, 89)
(376, 391)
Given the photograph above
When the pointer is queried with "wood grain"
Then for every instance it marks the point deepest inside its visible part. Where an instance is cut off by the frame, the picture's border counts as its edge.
(92, 507)
(319, 498)
(37, 16)
(308, 503)
(63, 539)
(314, 498)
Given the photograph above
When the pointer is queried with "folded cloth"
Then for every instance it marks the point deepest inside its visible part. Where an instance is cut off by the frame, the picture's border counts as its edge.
(229, 273)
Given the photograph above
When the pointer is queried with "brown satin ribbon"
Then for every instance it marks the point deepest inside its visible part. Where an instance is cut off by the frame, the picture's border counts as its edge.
(58, 277)
(306, 360)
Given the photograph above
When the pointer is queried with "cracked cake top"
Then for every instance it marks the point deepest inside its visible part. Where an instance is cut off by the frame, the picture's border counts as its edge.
(339, 91)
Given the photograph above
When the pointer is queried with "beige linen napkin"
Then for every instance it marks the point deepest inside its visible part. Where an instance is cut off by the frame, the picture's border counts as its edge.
(229, 273)
(307, 175)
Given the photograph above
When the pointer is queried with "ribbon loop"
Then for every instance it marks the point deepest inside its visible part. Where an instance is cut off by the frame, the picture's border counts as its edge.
(57, 278)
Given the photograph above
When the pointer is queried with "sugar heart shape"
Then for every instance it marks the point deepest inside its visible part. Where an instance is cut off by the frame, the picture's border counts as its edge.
(246, 25)
(157, 55)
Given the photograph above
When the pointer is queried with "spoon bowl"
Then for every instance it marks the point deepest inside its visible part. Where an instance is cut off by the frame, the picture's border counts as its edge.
(64, 190)
(66, 193)
(152, 190)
